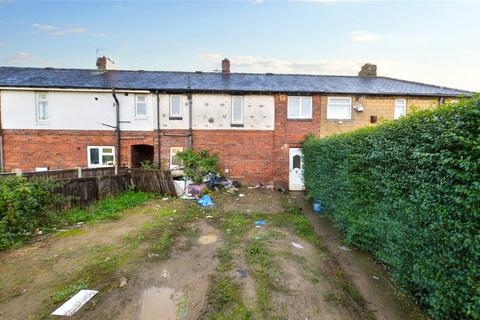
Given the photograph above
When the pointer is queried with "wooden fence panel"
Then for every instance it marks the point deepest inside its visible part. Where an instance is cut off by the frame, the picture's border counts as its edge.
(153, 181)
(111, 185)
(56, 174)
(79, 192)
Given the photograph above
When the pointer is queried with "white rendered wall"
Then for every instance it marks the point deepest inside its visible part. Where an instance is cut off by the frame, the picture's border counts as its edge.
(88, 110)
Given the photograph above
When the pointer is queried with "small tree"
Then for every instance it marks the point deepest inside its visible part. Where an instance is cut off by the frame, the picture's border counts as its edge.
(198, 164)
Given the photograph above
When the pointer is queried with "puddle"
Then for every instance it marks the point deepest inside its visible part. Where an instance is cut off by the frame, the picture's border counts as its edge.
(207, 239)
(159, 303)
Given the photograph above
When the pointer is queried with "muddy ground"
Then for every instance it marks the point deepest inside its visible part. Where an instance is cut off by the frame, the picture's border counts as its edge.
(175, 260)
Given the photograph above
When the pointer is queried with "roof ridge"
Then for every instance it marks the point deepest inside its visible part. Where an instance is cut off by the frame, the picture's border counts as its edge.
(426, 84)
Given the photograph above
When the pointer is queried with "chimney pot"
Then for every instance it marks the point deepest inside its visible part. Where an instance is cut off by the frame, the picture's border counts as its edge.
(368, 70)
(225, 66)
(104, 63)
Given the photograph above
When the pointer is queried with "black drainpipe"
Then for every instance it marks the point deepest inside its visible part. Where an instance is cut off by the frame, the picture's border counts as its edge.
(190, 131)
(117, 131)
(158, 133)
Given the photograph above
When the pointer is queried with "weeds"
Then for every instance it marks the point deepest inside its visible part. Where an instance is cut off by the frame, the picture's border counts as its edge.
(67, 292)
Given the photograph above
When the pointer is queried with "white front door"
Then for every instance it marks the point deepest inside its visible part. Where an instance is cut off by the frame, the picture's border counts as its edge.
(295, 179)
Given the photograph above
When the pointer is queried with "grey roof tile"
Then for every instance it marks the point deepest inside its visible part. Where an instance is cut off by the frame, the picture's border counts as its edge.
(207, 81)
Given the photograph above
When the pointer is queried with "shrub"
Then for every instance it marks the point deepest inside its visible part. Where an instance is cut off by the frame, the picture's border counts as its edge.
(409, 192)
(24, 207)
(198, 164)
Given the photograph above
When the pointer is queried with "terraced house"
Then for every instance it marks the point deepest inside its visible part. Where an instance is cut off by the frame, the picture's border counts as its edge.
(66, 118)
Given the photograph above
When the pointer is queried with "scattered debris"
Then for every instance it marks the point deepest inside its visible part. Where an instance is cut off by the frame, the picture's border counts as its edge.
(152, 255)
(297, 245)
(376, 278)
(74, 303)
(236, 184)
(258, 237)
(243, 273)
(260, 222)
(122, 282)
(206, 201)
(209, 217)
(185, 197)
(241, 195)
(343, 248)
(165, 199)
(165, 274)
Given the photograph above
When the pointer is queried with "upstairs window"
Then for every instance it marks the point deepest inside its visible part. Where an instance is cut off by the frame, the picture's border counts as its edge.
(400, 108)
(140, 106)
(42, 107)
(176, 107)
(101, 156)
(175, 161)
(339, 108)
(237, 110)
(299, 107)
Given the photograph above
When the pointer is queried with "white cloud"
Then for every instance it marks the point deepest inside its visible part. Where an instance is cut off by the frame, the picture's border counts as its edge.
(57, 31)
(263, 64)
(22, 58)
(364, 36)
(432, 74)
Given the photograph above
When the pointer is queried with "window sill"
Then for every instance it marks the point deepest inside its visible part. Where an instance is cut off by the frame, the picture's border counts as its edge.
(141, 118)
(42, 122)
(337, 120)
(175, 118)
(237, 125)
(300, 119)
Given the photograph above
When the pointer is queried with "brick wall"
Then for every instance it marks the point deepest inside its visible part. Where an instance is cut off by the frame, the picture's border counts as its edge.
(382, 107)
(58, 149)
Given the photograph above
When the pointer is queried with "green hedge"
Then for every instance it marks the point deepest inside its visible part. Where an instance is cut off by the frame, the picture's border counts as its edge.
(409, 192)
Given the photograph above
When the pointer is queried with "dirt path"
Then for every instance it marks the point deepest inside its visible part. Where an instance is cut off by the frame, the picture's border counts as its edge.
(369, 277)
(176, 260)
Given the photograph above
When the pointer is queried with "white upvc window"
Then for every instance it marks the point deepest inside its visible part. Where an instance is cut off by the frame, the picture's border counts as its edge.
(175, 161)
(141, 106)
(299, 107)
(41, 109)
(100, 156)
(237, 110)
(339, 108)
(175, 106)
(400, 108)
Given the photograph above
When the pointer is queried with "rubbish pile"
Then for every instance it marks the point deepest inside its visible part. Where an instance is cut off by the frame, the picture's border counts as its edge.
(187, 189)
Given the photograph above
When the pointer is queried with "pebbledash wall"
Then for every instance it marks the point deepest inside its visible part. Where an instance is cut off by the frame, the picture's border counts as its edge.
(256, 152)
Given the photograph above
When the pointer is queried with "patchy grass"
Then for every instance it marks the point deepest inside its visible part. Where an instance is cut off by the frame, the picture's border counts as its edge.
(266, 273)
(225, 301)
(106, 209)
(67, 292)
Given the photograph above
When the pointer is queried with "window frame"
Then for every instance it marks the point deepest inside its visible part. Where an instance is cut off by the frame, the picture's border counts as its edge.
(299, 116)
(100, 155)
(395, 117)
(37, 107)
(349, 109)
(179, 115)
(171, 156)
(242, 109)
(141, 116)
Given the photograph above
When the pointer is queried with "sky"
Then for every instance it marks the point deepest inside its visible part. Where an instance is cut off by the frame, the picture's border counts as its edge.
(436, 42)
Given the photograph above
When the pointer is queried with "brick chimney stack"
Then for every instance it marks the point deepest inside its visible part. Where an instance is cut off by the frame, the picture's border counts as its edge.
(225, 66)
(104, 63)
(368, 70)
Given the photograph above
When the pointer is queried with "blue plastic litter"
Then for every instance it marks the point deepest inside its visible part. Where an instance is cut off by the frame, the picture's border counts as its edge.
(205, 201)
(317, 207)
(260, 222)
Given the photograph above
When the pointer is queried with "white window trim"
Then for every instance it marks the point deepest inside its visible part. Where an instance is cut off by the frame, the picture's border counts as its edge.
(241, 109)
(171, 155)
(404, 108)
(100, 154)
(37, 113)
(300, 107)
(171, 99)
(137, 116)
(349, 109)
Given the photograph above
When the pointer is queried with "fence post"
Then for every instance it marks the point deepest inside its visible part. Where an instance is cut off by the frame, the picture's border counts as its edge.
(79, 172)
